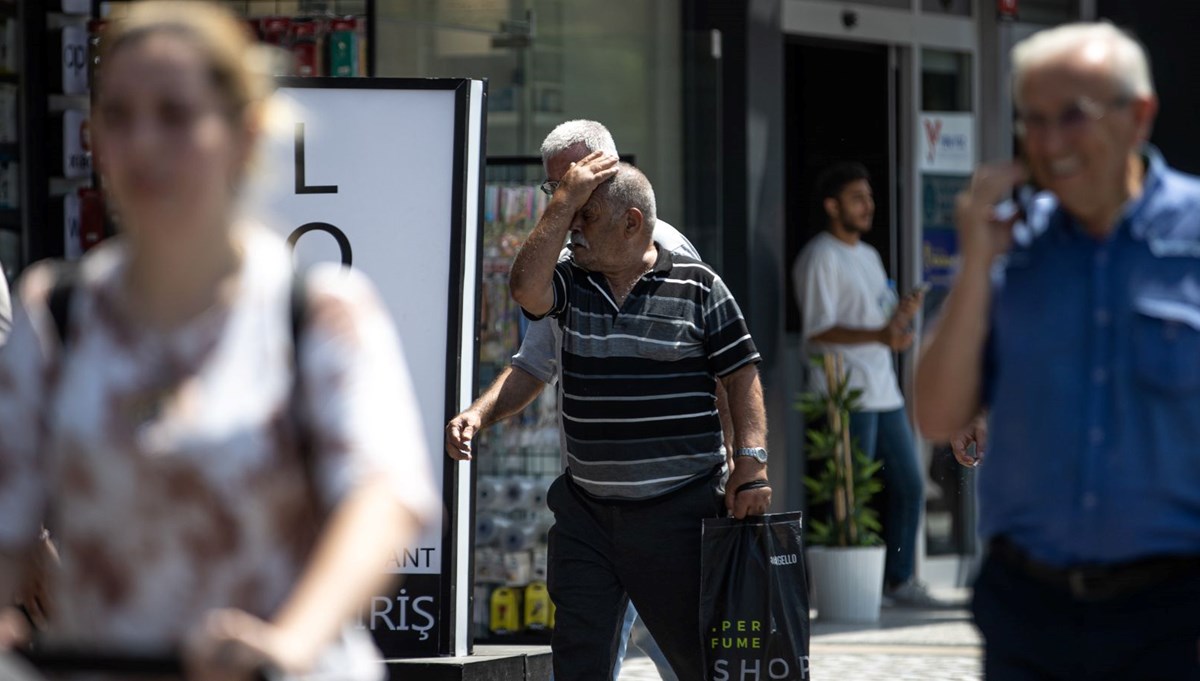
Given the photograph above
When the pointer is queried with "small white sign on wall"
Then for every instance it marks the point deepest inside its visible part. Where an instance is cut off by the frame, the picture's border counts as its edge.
(947, 143)
(74, 60)
(77, 162)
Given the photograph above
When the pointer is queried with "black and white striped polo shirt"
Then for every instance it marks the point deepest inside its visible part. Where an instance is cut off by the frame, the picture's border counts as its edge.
(638, 382)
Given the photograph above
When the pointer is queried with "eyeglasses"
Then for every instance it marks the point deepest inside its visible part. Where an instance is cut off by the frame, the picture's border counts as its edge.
(1072, 120)
(548, 187)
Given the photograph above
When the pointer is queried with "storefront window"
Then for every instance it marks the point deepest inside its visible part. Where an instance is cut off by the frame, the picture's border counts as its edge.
(945, 80)
(947, 157)
(547, 61)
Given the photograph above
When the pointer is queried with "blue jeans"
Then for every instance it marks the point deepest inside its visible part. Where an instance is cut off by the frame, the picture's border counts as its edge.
(888, 435)
(646, 643)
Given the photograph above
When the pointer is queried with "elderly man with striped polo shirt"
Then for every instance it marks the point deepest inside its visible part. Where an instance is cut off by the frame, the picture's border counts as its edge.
(646, 337)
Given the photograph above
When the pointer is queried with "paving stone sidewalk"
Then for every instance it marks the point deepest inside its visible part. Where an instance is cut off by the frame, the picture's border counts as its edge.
(906, 644)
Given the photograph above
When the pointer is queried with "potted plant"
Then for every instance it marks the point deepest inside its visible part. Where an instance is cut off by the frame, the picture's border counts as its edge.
(846, 554)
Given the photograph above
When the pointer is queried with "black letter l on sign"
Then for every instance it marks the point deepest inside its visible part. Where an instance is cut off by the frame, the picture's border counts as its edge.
(302, 188)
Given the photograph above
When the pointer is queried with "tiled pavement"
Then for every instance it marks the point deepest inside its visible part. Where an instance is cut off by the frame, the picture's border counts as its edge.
(916, 645)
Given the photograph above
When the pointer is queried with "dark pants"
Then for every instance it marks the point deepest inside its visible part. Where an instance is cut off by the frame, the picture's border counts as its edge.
(605, 553)
(1036, 631)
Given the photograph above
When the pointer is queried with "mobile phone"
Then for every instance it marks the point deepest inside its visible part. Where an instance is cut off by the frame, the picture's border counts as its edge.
(921, 289)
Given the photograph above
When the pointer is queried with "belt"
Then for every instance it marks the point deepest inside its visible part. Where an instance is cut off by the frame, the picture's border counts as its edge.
(1092, 583)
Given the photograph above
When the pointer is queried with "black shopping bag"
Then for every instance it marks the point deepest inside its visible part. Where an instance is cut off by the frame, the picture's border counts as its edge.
(754, 599)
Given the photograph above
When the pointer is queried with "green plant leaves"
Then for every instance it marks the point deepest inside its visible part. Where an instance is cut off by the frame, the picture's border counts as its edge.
(858, 525)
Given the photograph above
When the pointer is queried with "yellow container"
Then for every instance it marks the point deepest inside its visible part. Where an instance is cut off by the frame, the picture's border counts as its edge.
(537, 607)
(506, 611)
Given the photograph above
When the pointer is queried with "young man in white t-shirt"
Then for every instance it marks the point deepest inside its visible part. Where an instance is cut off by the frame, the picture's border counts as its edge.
(848, 307)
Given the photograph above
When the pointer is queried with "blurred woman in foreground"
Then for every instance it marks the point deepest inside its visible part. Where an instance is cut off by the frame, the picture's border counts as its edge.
(164, 442)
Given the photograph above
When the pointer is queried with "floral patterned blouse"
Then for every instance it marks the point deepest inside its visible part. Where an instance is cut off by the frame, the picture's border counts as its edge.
(167, 465)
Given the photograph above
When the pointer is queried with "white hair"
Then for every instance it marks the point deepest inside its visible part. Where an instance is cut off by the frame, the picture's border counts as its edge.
(1127, 58)
(630, 188)
(592, 135)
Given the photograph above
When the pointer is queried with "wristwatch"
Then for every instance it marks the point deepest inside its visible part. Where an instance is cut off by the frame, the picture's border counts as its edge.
(757, 453)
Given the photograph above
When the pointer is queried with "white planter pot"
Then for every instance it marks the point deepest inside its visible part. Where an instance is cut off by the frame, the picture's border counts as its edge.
(847, 582)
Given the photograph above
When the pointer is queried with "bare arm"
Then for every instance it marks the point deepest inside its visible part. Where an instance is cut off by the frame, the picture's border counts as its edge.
(14, 630)
(510, 393)
(726, 421)
(750, 430)
(950, 371)
(844, 336)
(12, 571)
(895, 334)
(949, 377)
(532, 274)
(344, 572)
(746, 407)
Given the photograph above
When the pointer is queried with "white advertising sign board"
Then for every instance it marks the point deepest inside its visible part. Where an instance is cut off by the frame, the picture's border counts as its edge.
(384, 175)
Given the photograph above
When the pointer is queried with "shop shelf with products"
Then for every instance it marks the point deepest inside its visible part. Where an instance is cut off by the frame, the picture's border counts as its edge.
(11, 129)
(519, 457)
(43, 173)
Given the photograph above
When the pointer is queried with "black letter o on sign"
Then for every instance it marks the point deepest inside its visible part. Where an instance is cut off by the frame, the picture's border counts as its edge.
(343, 241)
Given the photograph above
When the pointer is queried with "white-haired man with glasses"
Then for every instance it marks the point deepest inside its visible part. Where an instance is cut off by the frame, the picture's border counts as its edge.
(1076, 324)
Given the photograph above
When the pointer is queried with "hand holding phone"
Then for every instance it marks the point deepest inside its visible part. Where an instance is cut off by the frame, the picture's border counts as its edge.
(986, 212)
(1013, 209)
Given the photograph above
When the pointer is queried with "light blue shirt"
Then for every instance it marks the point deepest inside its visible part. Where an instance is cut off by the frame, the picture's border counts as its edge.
(1092, 379)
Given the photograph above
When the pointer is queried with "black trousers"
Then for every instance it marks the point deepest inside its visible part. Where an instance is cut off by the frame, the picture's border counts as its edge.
(604, 553)
(1036, 631)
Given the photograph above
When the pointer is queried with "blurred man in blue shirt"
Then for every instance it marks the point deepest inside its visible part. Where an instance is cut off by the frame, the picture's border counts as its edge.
(1076, 324)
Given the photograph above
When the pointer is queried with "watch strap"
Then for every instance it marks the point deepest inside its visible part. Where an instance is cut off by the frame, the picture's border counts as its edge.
(756, 453)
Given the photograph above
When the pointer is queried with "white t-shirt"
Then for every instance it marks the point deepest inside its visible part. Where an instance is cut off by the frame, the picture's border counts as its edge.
(5, 307)
(839, 285)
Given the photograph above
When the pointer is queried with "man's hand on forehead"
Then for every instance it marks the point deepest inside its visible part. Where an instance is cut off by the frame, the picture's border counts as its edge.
(585, 175)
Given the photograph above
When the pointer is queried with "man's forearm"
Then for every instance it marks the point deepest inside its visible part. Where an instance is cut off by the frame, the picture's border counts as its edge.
(511, 392)
(530, 279)
(727, 429)
(746, 407)
(844, 336)
(950, 371)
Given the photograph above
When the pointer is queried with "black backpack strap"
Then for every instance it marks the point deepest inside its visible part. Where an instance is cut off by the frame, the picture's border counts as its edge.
(298, 314)
(59, 302)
